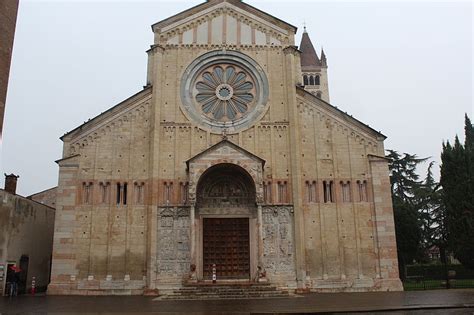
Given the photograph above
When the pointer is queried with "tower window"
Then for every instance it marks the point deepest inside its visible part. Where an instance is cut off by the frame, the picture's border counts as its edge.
(311, 80)
(316, 80)
(305, 80)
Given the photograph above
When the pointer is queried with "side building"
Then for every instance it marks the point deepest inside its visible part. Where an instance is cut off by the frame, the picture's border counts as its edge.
(26, 238)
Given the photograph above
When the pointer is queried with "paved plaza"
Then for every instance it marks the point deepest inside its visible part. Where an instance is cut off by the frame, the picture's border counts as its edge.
(422, 302)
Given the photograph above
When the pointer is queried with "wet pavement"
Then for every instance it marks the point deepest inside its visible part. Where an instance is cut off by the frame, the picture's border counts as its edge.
(421, 302)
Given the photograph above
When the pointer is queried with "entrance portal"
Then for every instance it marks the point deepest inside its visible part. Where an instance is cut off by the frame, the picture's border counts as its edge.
(227, 216)
(226, 244)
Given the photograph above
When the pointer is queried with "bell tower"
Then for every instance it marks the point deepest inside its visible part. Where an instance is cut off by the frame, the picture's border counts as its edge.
(314, 69)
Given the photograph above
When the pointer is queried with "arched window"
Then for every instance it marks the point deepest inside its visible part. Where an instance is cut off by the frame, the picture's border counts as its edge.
(311, 80)
(305, 80)
(316, 80)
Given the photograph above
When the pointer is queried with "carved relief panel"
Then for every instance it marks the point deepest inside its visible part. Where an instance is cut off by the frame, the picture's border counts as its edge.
(173, 242)
(278, 244)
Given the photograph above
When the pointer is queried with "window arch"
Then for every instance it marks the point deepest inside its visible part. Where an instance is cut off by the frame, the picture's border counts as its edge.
(305, 79)
(311, 80)
(316, 80)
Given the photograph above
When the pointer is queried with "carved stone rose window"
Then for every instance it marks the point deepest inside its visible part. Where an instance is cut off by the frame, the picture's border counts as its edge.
(224, 90)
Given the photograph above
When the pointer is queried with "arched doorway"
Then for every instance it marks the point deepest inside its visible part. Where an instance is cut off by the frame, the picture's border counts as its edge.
(226, 212)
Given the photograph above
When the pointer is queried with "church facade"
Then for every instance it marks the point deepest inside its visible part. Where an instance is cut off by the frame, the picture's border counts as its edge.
(231, 158)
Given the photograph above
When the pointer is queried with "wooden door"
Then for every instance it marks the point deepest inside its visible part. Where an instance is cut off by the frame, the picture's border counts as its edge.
(226, 244)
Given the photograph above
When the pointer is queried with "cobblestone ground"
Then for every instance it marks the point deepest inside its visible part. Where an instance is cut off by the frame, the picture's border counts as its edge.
(424, 302)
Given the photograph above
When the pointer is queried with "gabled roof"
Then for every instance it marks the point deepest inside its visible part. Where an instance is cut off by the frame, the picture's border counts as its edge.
(340, 113)
(42, 191)
(209, 3)
(229, 143)
(146, 90)
(309, 57)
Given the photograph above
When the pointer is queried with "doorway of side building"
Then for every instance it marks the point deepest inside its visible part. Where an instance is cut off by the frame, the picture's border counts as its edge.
(22, 284)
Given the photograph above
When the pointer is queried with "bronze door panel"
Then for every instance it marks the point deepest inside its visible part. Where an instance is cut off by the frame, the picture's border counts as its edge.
(226, 244)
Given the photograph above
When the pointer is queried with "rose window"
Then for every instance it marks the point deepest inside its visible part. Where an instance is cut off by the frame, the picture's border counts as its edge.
(225, 92)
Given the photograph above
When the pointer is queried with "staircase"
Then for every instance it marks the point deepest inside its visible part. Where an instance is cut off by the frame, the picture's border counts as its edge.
(210, 291)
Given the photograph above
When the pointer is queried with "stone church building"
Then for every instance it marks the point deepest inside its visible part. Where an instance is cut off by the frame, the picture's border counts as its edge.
(230, 156)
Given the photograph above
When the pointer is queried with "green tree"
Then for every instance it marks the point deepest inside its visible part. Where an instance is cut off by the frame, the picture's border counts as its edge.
(406, 185)
(457, 180)
(432, 213)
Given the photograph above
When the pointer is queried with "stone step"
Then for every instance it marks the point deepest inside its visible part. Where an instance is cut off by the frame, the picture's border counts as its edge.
(241, 296)
(229, 293)
(211, 285)
(220, 291)
(189, 290)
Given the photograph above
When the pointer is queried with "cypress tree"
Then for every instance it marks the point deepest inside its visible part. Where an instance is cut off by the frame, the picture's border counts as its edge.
(457, 180)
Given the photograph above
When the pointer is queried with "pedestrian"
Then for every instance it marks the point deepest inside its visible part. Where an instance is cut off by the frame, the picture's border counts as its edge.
(10, 280)
(17, 280)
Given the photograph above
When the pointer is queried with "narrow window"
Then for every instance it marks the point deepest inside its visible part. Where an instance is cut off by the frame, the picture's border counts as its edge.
(119, 193)
(168, 192)
(346, 191)
(104, 192)
(86, 193)
(124, 193)
(311, 191)
(282, 192)
(328, 191)
(314, 192)
(305, 80)
(267, 192)
(136, 193)
(308, 192)
(311, 80)
(139, 193)
(316, 80)
(184, 192)
(362, 185)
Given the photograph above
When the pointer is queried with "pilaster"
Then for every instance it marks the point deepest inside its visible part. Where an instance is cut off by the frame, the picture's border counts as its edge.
(291, 54)
(383, 220)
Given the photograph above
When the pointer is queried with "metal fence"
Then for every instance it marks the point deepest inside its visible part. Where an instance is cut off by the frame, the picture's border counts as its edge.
(431, 277)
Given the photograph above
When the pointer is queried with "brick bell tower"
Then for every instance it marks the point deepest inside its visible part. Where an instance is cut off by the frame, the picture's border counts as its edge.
(314, 69)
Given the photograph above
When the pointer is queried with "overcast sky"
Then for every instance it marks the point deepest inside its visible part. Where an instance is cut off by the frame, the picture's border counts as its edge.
(404, 68)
